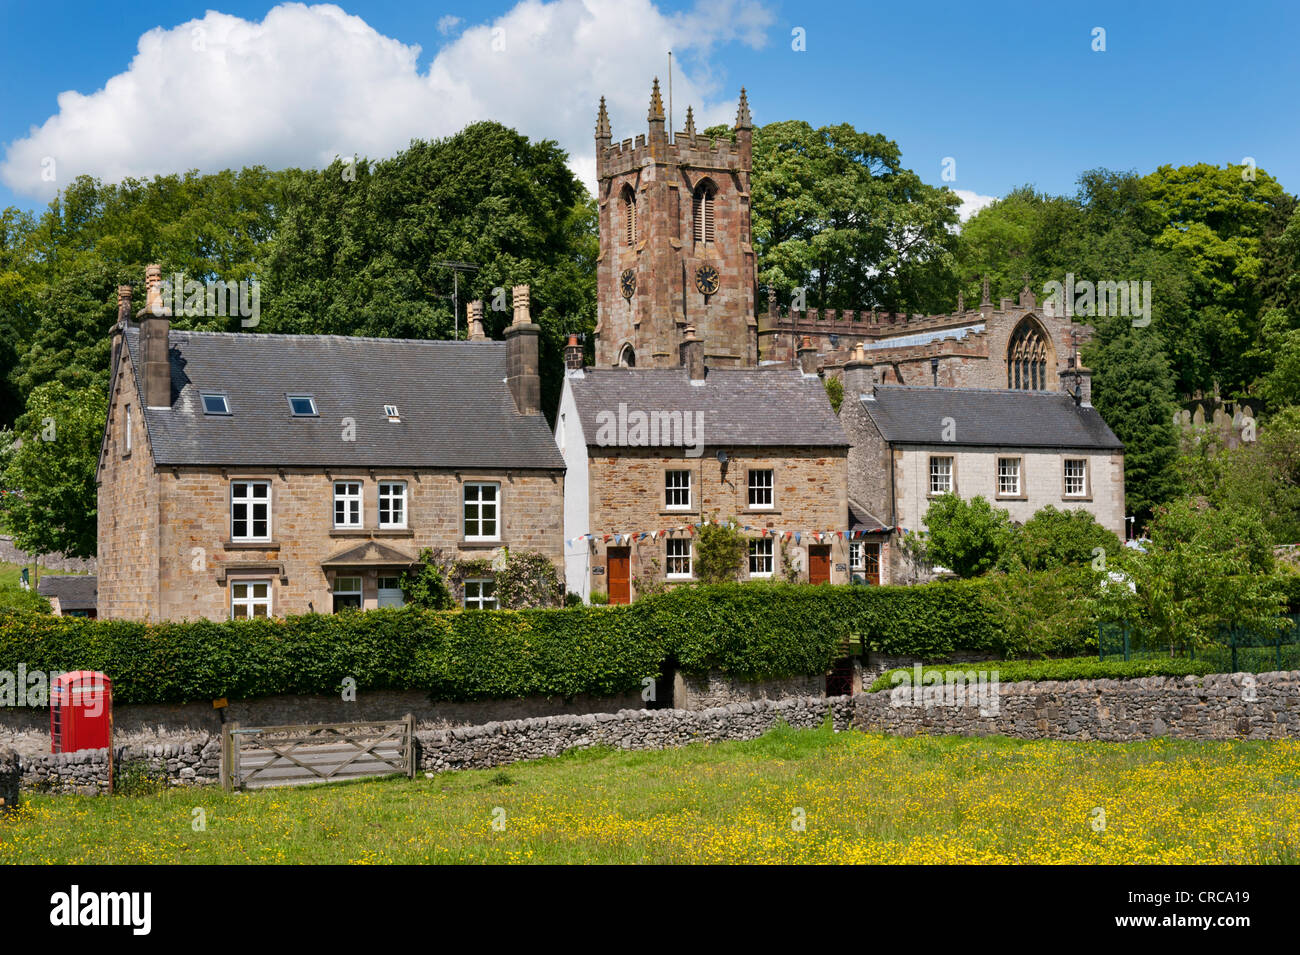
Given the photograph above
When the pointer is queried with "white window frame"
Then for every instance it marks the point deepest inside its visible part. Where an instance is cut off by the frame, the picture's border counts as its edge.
(760, 489)
(1009, 468)
(250, 500)
(126, 437)
(337, 590)
(480, 600)
(354, 515)
(678, 543)
(1082, 478)
(757, 546)
(248, 602)
(386, 496)
(937, 471)
(479, 504)
(670, 488)
(855, 555)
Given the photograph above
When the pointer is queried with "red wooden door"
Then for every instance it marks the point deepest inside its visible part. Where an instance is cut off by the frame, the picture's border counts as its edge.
(871, 562)
(819, 565)
(618, 565)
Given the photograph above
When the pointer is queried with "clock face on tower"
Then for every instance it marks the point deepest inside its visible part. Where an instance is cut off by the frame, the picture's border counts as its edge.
(706, 280)
(627, 283)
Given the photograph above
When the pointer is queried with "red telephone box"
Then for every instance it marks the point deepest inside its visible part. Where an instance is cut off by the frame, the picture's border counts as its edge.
(81, 712)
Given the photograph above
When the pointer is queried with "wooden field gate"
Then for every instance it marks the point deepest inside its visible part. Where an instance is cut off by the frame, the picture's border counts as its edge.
(258, 757)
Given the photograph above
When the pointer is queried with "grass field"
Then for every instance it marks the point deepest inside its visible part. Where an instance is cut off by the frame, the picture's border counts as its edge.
(862, 798)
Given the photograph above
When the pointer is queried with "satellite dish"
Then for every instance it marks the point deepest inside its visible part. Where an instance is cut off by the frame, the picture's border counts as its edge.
(722, 457)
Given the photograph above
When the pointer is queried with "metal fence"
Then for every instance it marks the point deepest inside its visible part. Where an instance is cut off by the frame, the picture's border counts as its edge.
(1238, 650)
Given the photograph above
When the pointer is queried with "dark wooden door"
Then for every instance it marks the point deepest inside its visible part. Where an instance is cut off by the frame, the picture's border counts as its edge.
(618, 565)
(819, 564)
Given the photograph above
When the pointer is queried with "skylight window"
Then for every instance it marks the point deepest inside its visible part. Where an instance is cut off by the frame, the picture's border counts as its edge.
(391, 412)
(215, 404)
(302, 406)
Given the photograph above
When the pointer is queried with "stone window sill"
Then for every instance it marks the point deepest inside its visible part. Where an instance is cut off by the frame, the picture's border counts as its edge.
(349, 532)
(250, 545)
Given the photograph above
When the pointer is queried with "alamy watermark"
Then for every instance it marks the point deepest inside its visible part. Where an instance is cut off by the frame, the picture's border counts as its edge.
(636, 428)
(926, 688)
(215, 299)
(1130, 299)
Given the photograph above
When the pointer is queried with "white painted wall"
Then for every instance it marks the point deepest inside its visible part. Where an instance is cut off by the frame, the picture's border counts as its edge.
(1041, 480)
(577, 511)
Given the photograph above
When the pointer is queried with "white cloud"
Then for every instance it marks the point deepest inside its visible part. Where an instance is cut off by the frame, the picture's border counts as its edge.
(448, 23)
(308, 83)
(971, 203)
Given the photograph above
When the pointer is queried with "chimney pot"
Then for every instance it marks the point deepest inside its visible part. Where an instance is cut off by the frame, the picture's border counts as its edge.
(692, 355)
(523, 374)
(573, 354)
(807, 357)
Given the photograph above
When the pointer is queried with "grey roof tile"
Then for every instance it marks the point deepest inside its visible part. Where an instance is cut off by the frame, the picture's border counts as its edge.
(751, 407)
(988, 417)
(75, 591)
(456, 410)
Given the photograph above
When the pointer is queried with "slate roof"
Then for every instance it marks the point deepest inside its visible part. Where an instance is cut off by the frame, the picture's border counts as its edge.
(750, 407)
(456, 410)
(75, 591)
(988, 417)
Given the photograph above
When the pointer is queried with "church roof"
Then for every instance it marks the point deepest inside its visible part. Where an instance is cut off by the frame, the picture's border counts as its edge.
(454, 407)
(751, 407)
(987, 417)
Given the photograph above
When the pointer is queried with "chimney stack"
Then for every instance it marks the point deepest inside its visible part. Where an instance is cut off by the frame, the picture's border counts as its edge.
(522, 372)
(573, 354)
(155, 327)
(124, 305)
(808, 358)
(1077, 381)
(859, 374)
(692, 353)
(474, 321)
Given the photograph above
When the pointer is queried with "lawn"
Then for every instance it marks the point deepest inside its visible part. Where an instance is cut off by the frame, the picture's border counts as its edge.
(861, 798)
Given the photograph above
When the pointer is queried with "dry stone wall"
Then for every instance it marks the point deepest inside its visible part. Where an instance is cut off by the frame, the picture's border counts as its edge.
(1221, 707)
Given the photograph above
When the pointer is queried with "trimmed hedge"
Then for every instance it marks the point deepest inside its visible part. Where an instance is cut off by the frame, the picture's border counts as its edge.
(1077, 668)
(750, 630)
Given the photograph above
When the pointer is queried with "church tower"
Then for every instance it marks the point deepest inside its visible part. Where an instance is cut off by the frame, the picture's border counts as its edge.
(675, 248)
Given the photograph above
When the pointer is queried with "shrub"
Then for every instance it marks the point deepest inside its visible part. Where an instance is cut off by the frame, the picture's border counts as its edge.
(1051, 539)
(1078, 668)
(720, 553)
(967, 537)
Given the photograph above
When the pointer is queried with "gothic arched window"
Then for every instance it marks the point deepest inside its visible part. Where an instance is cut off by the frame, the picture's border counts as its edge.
(629, 216)
(1027, 357)
(627, 357)
(705, 193)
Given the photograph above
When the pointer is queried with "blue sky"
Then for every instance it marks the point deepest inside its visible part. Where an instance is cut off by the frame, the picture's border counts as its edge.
(1013, 92)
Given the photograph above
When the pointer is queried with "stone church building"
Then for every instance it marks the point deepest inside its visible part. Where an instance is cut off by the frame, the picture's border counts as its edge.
(678, 317)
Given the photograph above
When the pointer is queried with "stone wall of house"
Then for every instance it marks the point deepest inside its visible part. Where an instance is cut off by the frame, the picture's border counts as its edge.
(1222, 707)
(128, 508)
(628, 496)
(198, 558)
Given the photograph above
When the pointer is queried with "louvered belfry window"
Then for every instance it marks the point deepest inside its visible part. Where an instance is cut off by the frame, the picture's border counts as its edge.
(704, 196)
(629, 217)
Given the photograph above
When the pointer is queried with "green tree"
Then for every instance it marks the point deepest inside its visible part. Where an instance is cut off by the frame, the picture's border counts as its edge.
(1133, 390)
(966, 537)
(424, 584)
(358, 246)
(1201, 570)
(1052, 538)
(47, 471)
(836, 213)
